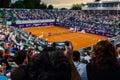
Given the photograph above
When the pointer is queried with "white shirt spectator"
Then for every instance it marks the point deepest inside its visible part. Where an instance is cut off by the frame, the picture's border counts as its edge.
(87, 58)
(81, 68)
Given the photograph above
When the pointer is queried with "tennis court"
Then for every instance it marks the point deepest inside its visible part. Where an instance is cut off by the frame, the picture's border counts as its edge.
(59, 34)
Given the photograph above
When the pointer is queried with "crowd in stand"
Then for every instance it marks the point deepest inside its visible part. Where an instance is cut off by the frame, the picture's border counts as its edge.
(23, 56)
(97, 22)
(31, 14)
(94, 22)
(13, 40)
(19, 60)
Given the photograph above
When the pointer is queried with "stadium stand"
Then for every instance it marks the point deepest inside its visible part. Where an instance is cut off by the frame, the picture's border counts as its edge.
(14, 38)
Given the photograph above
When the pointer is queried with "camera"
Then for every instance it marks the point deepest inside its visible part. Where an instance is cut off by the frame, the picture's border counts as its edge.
(60, 45)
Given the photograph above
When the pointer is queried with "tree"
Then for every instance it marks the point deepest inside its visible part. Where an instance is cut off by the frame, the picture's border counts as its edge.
(50, 6)
(18, 4)
(28, 4)
(5, 3)
(76, 7)
(43, 6)
(63, 9)
(97, 0)
(36, 3)
(56, 8)
(31, 4)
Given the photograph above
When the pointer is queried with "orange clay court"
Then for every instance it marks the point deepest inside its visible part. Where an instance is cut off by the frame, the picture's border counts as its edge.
(59, 34)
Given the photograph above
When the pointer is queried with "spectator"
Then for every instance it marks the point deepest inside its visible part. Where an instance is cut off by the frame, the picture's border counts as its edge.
(2, 47)
(87, 56)
(4, 60)
(12, 49)
(81, 67)
(52, 64)
(4, 69)
(19, 72)
(6, 54)
(3, 78)
(104, 65)
(1, 54)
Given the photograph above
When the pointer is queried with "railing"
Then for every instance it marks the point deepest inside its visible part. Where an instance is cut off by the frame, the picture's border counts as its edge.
(100, 8)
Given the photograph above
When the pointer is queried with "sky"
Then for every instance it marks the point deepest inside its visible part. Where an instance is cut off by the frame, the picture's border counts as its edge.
(62, 3)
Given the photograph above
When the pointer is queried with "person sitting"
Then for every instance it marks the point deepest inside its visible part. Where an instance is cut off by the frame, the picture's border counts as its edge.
(104, 64)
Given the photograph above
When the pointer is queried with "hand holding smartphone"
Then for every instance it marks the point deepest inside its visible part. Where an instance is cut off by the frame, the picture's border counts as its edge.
(60, 45)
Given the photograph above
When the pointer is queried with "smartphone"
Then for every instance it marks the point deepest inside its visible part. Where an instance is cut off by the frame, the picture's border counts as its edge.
(59, 45)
